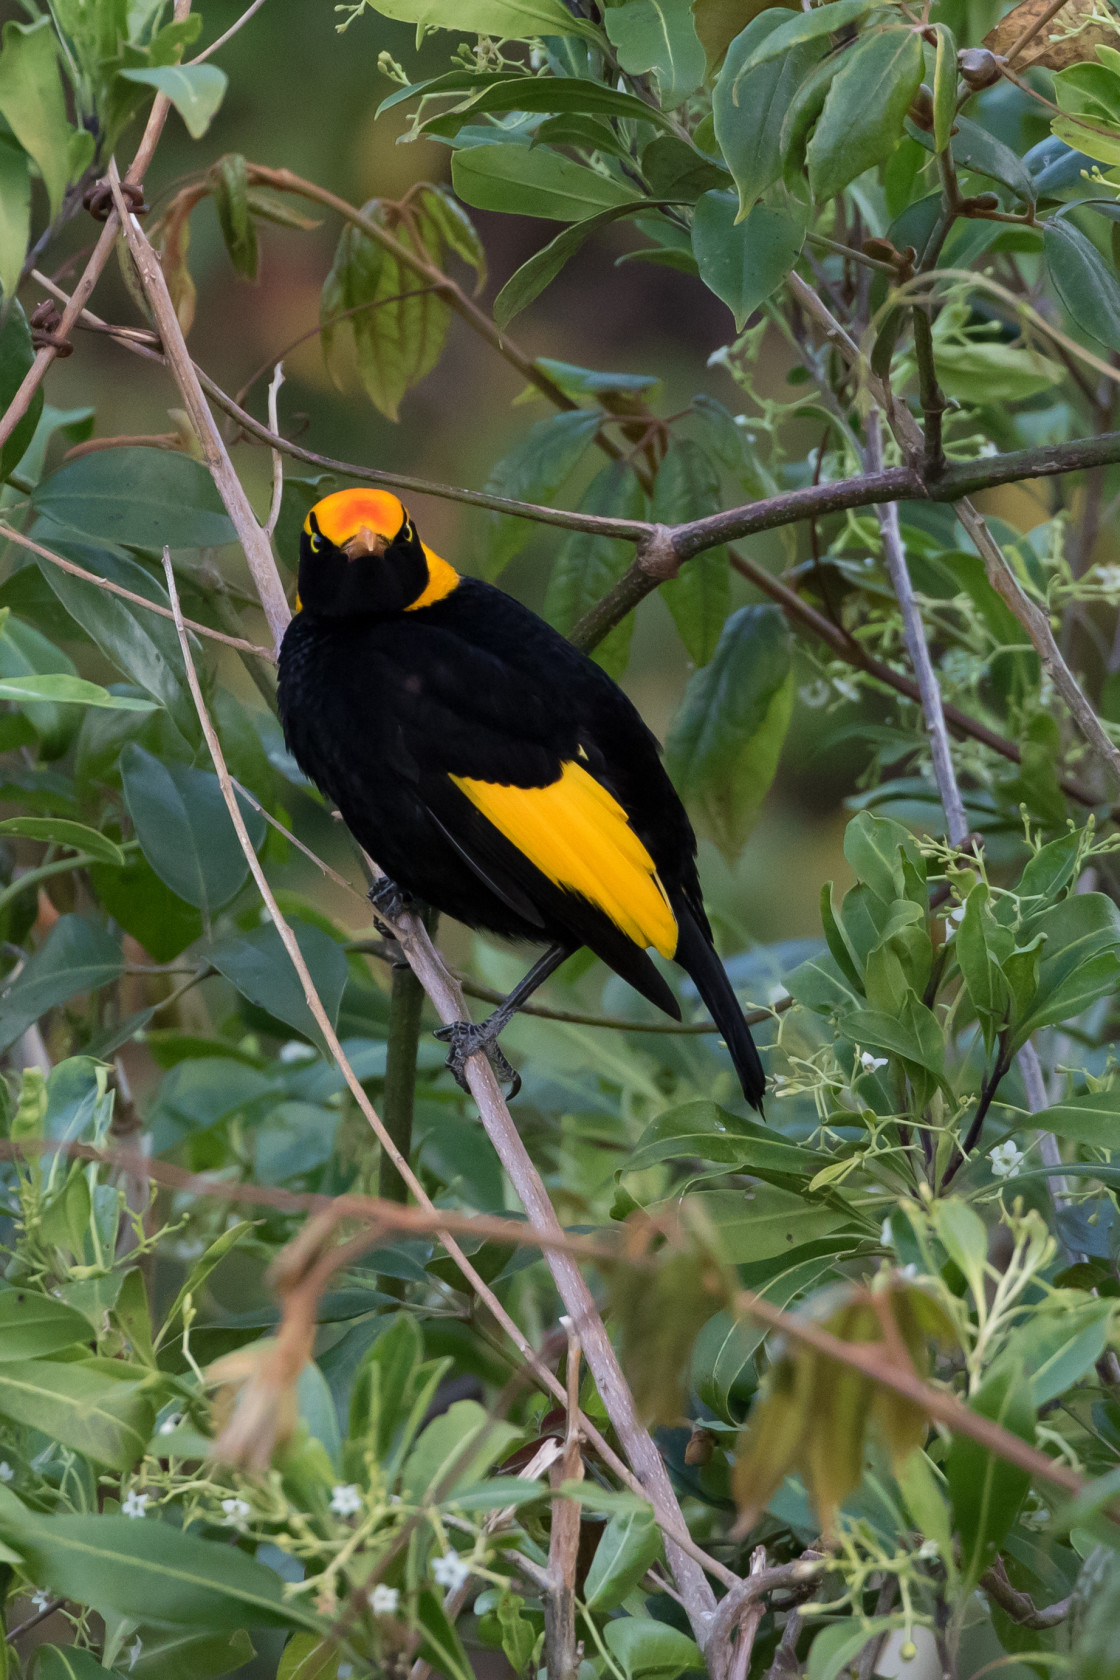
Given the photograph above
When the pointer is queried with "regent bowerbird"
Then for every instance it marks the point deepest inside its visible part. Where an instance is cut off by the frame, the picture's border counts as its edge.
(491, 768)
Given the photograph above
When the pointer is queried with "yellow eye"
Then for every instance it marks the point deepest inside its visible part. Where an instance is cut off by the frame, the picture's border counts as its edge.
(316, 544)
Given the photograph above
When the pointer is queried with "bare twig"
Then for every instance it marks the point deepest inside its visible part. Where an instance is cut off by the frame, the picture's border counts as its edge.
(277, 456)
(1020, 1606)
(562, 1657)
(894, 556)
(254, 541)
(235, 29)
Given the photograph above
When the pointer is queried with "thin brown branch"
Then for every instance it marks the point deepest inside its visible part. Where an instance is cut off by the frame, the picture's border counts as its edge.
(112, 588)
(1020, 1606)
(254, 540)
(100, 255)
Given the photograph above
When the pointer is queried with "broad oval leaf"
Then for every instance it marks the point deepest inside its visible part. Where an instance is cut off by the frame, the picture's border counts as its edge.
(1083, 280)
(64, 690)
(84, 1408)
(760, 1223)
(865, 108)
(76, 956)
(658, 36)
(145, 497)
(1093, 1119)
(33, 104)
(627, 1547)
(808, 26)
(60, 831)
(195, 90)
(260, 968)
(743, 262)
(184, 828)
(748, 109)
(32, 1326)
(687, 487)
(541, 182)
(724, 744)
(510, 20)
(643, 1647)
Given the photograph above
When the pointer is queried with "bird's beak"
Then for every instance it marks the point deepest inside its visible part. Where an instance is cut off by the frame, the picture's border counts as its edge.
(364, 542)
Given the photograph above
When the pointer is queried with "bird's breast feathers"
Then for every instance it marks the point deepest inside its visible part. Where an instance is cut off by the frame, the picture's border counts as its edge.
(578, 835)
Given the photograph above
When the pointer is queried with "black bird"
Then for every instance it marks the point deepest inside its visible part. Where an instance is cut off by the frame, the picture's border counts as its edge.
(489, 767)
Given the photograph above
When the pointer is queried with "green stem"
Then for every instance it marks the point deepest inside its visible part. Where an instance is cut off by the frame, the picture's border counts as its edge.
(60, 866)
(405, 1009)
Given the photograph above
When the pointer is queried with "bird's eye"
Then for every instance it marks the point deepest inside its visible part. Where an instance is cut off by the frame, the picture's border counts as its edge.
(316, 544)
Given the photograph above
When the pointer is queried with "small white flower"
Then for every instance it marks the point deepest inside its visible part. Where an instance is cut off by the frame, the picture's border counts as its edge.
(870, 1063)
(450, 1571)
(1108, 577)
(6, 1471)
(814, 695)
(928, 1549)
(237, 1511)
(1038, 1518)
(135, 1504)
(346, 1499)
(297, 1051)
(345, 1670)
(171, 1423)
(847, 690)
(1006, 1160)
(885, 1236)
(383, 1601)
(134, 1651)
(40, 1599)
(956, 914)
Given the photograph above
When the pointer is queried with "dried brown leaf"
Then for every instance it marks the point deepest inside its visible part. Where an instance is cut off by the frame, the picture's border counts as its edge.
(1070, 37)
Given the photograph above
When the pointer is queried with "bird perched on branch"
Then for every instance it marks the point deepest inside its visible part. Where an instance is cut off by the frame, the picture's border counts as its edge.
(490, 768)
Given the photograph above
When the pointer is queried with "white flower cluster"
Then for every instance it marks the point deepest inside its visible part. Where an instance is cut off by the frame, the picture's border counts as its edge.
(1006, 1159)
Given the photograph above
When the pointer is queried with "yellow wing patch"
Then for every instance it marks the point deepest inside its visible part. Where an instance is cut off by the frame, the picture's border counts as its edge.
(578, 835)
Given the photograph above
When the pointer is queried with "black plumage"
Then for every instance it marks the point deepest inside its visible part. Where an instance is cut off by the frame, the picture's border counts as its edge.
(397, 676)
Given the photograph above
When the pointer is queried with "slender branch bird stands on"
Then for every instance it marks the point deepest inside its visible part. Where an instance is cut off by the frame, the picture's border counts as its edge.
(490, 767)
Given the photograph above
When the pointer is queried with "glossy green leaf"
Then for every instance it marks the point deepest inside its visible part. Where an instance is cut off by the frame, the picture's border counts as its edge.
(260, 968)
(986, 1491)
(195, 90)
(743, 262)
(64, 690)
(913, 1034)
(723, 1372)
(456, 1449)
(629, 1544)
(658, 36)
(184, 828)
(59, 831)
(835, 1648)
(586, 566)
(33, 104)
(866, 105)
(534, 471)
(143, 906)
(1081, 959)
(66, 1662)
(687, 487)
(944, 87)
(15, 214)
(759, 1223)
(1083, 280)
(983, 371)
(510, 20)
(530, 280)
(705, 1130)
(149, 1571)
(541, 182)
(308, 1658)
(76, 956)
(678, 172)
(808, 26)
(1093, 1119)
(724, 744)
(33, 1326)
(144, 497)
(188, 1655)
(749, 108)
(440, 1644)
(649, 1650)
(82, 1407)
(875, 847)
(550, 93)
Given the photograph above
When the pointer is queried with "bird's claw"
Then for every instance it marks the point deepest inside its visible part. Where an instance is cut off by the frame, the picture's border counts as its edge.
(391, 900)
(465, 1039)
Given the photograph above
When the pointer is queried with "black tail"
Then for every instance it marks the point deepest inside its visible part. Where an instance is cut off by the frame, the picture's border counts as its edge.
(697, 956)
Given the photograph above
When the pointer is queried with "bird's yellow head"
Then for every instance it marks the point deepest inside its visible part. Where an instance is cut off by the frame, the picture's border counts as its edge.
(360, 553)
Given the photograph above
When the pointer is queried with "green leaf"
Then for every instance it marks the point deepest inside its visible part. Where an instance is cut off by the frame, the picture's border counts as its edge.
(981, 945)
(944, 87)
(724, 744)
(82, 1407)
(586, 567)
(33, 1326)
(836, 1647)
(808, 26)
(748, 109)
(974, 148)
(308, 1658)
(1083, 280)
(59, 831)
(1081, 959)
(743, 262)
(991, 372)
(184, 828)
(548, 93)
(229, 186)
(520, 182)
(643, 1647)
(629, 1544)
(913, 1034)
(440, 1644)
(658, 36)
(865, 109)
(1093, 1119)
(33, 104)
(70, 691)
(456, 1449)
(76, 956)
(195, 90)
(986, 1492)
(260, 968)
(509, 20)
(723, 1358)
(687, 487)
(875, 848)
(15, 216)
(16, 357)
(143, 497)
(190, 1655)
(703, 1129)
(531, 279)
(149, 1571)
(143, 906)
(760, 1223)
(66, 1662)
(678, 172)
(534, 471)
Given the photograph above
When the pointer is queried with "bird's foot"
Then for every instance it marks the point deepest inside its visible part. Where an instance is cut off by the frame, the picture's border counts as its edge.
(465, 1039)
(391, 900)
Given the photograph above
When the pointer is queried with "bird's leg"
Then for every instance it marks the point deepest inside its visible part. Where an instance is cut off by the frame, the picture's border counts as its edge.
(391, 900)
(466, 1038)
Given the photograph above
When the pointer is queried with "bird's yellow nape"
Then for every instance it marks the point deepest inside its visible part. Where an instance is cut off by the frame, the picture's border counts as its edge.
(343, 515)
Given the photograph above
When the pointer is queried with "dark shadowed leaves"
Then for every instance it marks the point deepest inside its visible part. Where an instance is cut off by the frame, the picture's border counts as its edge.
(144, 497)
(1083, 280)
(698, 597)
(749, 109)
(76, 956)
(587, 566)
(260, 968)
(184, 828)
(534, 471)
(725, 741)
(743, 262)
